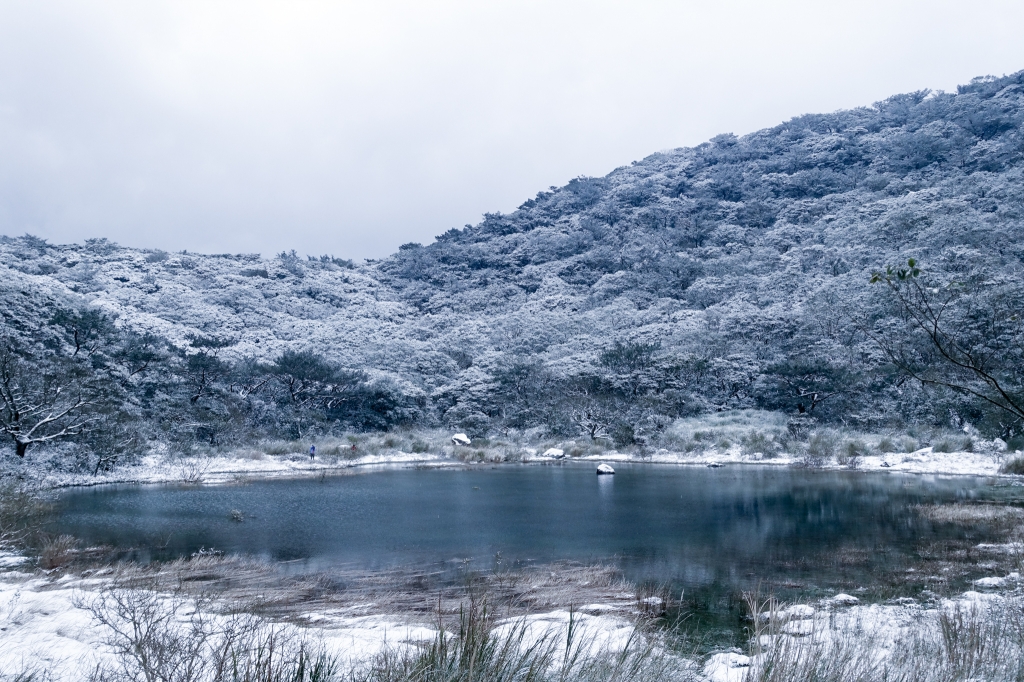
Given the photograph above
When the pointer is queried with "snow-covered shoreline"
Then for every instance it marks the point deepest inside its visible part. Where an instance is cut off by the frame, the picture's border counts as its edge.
(232, 468)
(242, 466)
(921, 461)
(45, 625)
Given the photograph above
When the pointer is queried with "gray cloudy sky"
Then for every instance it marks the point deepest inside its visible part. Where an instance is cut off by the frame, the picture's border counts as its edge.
(352, 127)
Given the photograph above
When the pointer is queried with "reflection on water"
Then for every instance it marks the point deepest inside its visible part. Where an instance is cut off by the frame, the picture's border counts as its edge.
(686, 525)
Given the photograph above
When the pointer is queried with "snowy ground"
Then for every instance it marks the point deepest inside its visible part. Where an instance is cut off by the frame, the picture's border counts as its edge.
(44, 625)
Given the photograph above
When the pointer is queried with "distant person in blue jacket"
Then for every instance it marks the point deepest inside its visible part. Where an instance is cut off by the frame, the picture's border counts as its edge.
(312, 452)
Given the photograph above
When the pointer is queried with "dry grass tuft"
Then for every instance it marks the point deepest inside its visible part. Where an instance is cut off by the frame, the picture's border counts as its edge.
(970, 514)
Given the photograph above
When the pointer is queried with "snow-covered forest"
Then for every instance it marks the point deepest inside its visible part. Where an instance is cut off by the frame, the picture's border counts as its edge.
(736, 274)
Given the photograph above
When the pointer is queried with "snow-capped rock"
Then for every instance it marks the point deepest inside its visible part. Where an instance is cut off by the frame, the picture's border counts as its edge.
(604, 469)
(461, 439)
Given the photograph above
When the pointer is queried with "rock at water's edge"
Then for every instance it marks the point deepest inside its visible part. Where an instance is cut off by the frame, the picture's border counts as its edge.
(604, 469)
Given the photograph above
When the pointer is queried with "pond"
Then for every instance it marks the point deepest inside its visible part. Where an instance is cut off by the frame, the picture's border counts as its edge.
(688, 527)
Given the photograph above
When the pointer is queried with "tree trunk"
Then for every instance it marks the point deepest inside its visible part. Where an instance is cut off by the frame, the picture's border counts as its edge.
(20, 448)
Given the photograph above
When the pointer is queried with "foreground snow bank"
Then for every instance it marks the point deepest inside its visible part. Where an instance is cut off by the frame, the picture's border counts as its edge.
(873, 637)
(46, 625)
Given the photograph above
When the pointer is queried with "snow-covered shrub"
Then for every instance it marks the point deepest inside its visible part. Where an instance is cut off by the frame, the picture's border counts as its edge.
(759, 443)
(174, 637)
(821, 447)
(849, 455)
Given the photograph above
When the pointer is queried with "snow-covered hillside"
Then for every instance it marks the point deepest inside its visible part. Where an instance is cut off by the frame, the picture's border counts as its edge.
(731, 275)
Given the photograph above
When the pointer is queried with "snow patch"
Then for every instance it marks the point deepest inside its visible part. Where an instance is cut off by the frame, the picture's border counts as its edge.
(996, 581)
(842, 600)
(594, 634)
(730, 666)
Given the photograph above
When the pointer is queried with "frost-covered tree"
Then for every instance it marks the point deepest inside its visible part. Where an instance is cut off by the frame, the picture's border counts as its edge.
(44, 399)
(962, 332)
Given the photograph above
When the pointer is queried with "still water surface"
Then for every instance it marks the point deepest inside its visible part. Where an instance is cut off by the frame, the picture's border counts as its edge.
(670, 524)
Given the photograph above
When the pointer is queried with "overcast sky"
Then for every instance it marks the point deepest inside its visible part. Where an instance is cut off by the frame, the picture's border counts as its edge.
(349, 128)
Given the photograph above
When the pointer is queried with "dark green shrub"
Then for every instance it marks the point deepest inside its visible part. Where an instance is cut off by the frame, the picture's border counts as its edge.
(624, 435)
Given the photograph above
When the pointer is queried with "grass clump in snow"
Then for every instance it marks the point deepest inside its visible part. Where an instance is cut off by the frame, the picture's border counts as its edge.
(514, 652)
(851, 452)
(57, 552)
(1014, 466)
(23, 511)
(972, 514)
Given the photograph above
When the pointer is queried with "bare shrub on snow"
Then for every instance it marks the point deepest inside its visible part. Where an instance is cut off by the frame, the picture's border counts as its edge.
(160, 637)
